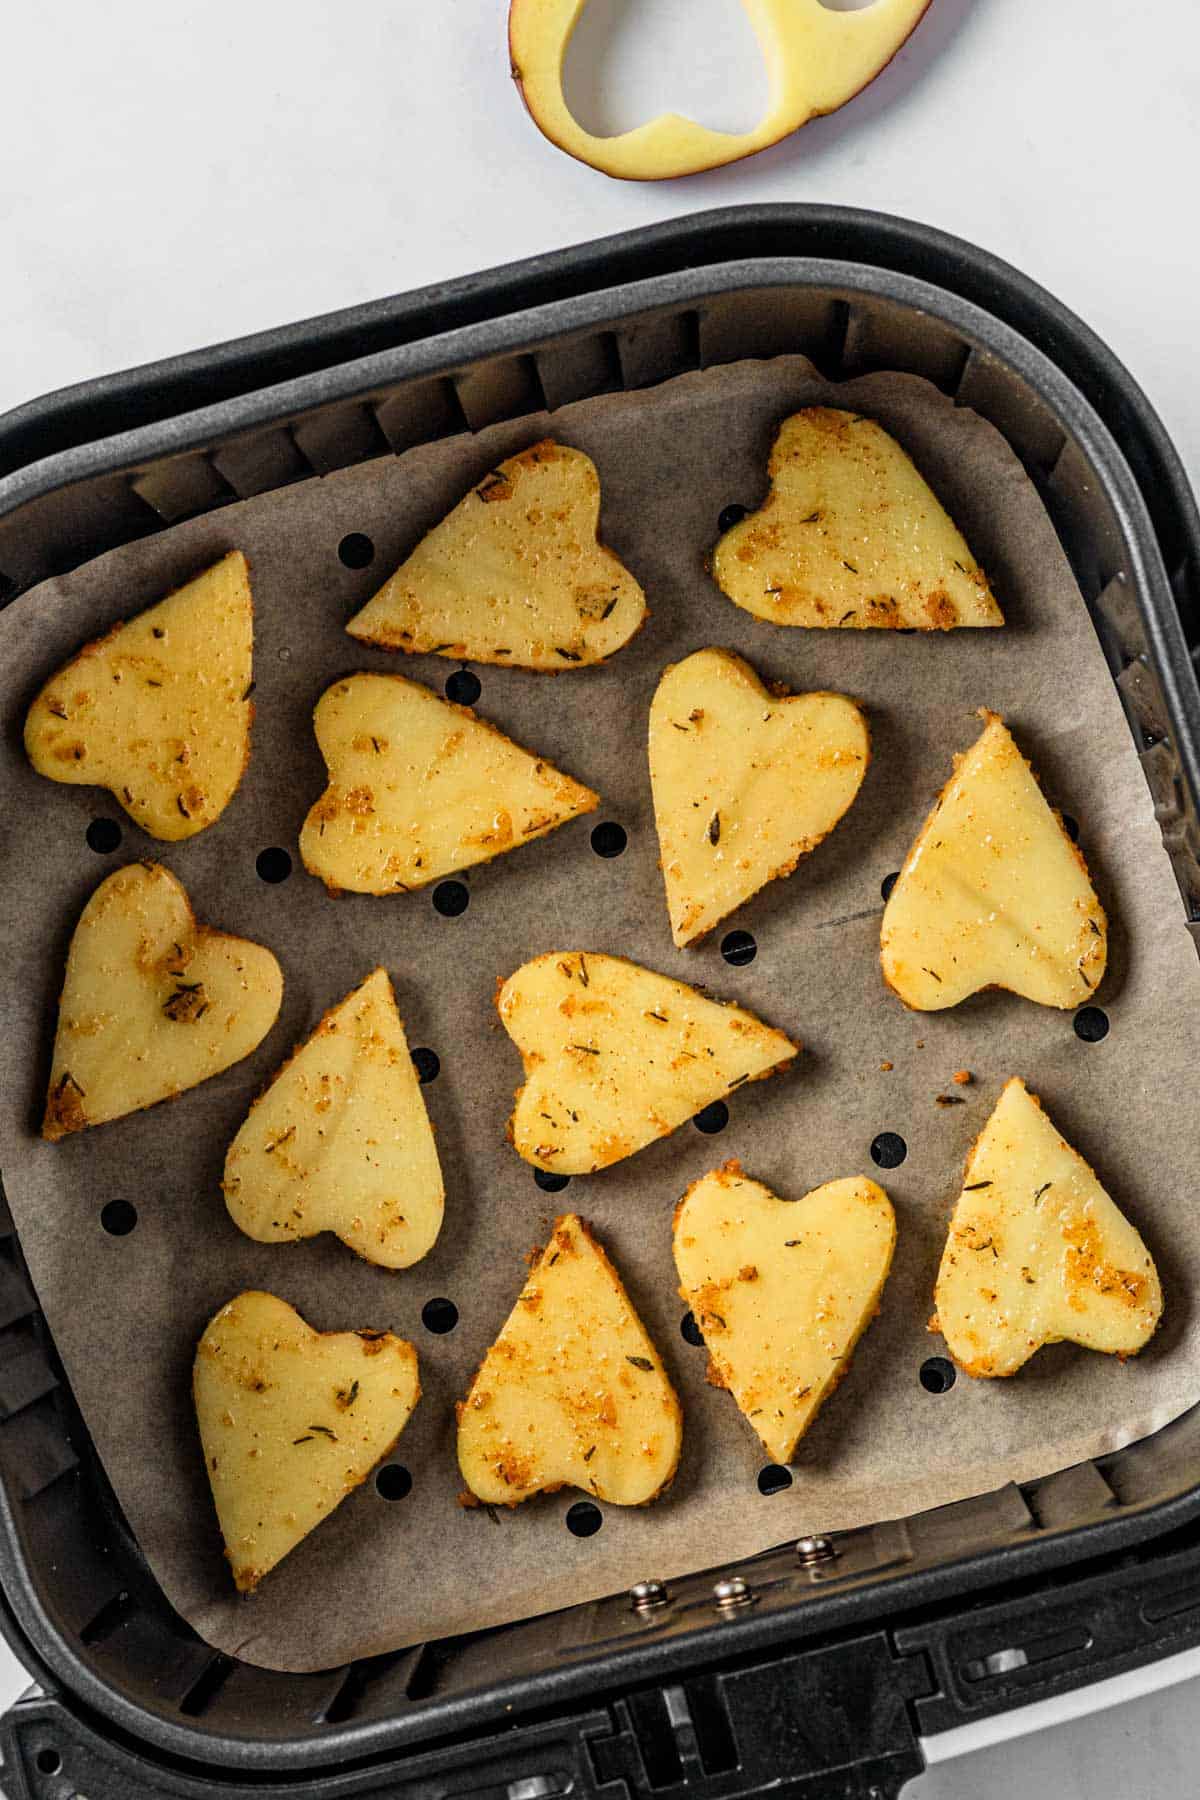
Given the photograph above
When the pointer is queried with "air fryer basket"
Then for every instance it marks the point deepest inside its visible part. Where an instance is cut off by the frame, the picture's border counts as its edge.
(686, 1692)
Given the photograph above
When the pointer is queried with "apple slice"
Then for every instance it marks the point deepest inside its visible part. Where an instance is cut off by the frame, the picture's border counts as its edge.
(993, 893)
(817, 58)
(419, 788)
(158, 711)
(745, 782)
(152, 1003)
(616, 1056)
(341, 1141)
(851, 537)
(291, 1420)
(782, 1290)
(515, 574)
(572, 1393)
(1038, 1252)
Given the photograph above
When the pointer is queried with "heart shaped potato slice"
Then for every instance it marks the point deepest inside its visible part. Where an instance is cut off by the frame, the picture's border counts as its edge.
(745, 782)
(616, 1056)
(152, 1003)
(292, 1420)
(1038, 1251)
(419, 788)
(782, 1290)
(158, 711)
(850, 536)
(341, 1141)
(515, 574)
(573, 1392)
(993, 893)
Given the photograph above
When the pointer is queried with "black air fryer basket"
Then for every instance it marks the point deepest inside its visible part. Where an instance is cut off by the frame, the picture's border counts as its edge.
(822, 1670)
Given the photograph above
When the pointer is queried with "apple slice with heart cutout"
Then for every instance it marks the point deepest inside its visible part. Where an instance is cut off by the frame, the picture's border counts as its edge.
(515, 574)
(341, 1141)
(850, 537)
(616, 1056)
(782, 1290)
(993, 893)
(1037, 1251)
(159, 710)
(746, 781)
(817, 58)
(152, 1003)
(573, 1392)
(291, 1421)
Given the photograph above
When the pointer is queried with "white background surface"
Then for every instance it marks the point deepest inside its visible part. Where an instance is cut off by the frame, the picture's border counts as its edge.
(174, 175)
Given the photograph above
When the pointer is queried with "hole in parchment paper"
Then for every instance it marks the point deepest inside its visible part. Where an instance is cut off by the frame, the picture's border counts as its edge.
(774, 1478)
(888, 883)
(584, 1519)
(937, 1374)
(439, 1316)
(356, 550)
(427, 1063)
(451, 899)
(463, 687)
(690, 1331)
(119, 1218)
(1071, 827)
(609, 838)
(49, 1761)
(103, 836)
(1091, 1024)
(393, 1482)
(739, 948)
(549, 1182)
(711, 1119)
(889, 1150)
(729, 516)
(273, 865)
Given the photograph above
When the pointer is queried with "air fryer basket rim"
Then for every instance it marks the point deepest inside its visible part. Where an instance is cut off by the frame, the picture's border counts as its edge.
(26, 1621)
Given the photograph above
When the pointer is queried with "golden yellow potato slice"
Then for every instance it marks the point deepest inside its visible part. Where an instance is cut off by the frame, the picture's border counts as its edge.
(291, 1420)
(419, 788)
(573, 1392)
(782, 1290)
(1038, 1252)
(152, 1003)
(817, 58)
(341, 1141)
(515, 574)
(616, 1056)
(745, 782)
(851, 537)
(993, 893)
(159, 710)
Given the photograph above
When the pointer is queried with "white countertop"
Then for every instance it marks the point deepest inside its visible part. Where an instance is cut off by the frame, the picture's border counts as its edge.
(174, 175)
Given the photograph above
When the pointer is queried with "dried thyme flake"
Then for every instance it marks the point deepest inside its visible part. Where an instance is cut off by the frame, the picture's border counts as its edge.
(375, 745)
(303, 1440)
(347, 1396)
(715, 1319)
(552, 1260)
(661, 1017)
(325, 1432)
(587, 1049)
(850, 566)
(188, 1003)
(282, 1139)
(610, 607)
(739, 1081)
(59, 712)
(714, 829)
(845, 616)
(1094, 926)
(640, 1362)
(150, 683)
(588, 1454)
(567, 655)
(1037, 1197)
(495, 478)
(975, 1186)
(950, 1099)
(792, 1243)
(811, 519)
(68, 1080)
(932, 972)
(183, 809)
(157, 631)
(677, 727)
(583, 971)
(249, 690)
(958, 565)
(773, 590)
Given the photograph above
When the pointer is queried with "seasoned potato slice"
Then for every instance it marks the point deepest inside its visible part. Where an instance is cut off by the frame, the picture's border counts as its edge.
(782, 1290)
(341, 1140)
(1037, 1251)
(616, 1056)
(159, 710)
(850, 536)
(292, 1420)
(419, 788)
(573, 1392)
(515, 574)
(745, 782)
(152, 1002)
(993, 893)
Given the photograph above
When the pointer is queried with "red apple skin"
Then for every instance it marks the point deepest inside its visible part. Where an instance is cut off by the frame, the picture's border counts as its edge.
(515, 7)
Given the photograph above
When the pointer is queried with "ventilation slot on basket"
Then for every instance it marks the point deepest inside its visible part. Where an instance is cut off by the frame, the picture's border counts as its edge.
(207, 1686)
(378, 1684)
(1070, 1497)
(1172, 1602)
(182, 487)
(25, 1376)
(1001, 397)
(775, 322)
(505, 388)
(261, 463)
(881, 336)
(10, 587)
(340, 436)
(658, 347)
(111, 1616)
(579, 368)
(1138, 686)
(420, 412)
(710, 1721)
(1071, 1642)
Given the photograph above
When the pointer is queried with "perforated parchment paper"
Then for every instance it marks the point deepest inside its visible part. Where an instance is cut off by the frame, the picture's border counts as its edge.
(126, 1312)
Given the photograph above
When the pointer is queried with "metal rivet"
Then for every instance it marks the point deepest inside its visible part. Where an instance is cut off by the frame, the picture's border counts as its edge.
(732, 1592)
(814, 1550)
(646, 1595)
